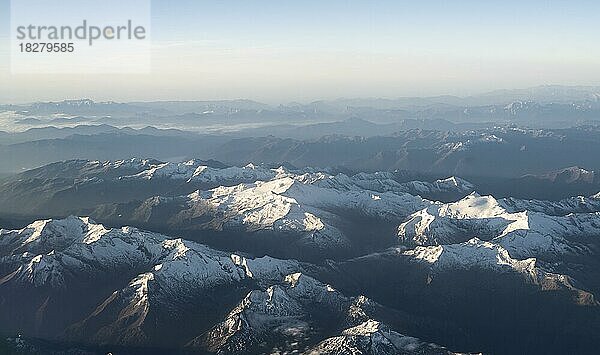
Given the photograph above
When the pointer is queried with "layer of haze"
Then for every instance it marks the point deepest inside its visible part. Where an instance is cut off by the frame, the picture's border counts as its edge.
(279, 51)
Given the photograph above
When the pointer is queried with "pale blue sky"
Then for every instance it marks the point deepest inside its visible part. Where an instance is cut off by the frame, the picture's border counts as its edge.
(278, 51)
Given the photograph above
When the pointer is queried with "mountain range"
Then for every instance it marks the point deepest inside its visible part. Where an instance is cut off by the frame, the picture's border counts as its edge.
(276, 259)
(436, 225)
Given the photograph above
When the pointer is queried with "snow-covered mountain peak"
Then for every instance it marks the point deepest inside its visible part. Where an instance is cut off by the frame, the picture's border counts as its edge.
(177, 247)
(46, 235)
(283, 310)
(473, 253)
(473, 206)
(198, 171)
(373, 337)
(259, 188)
(51, 251)
(39, 270)
(488, 218)
(524, 228)
(441, 223)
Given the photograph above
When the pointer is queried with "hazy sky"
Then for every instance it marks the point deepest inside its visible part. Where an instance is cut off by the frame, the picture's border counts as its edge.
(283, 50)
